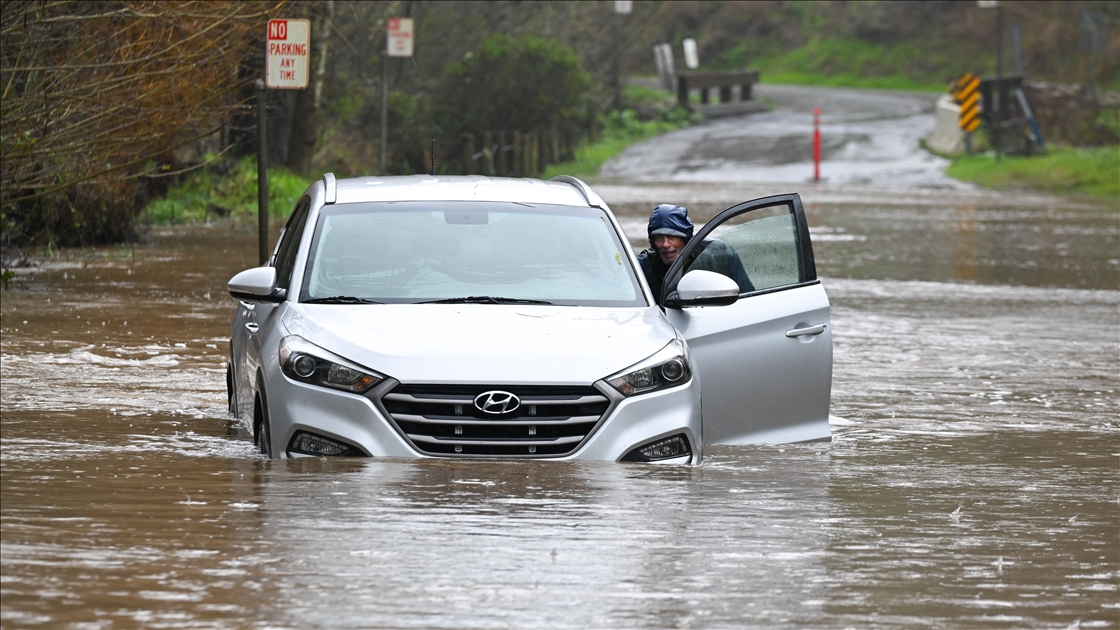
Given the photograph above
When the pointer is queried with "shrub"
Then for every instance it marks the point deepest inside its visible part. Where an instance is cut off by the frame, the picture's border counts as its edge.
(229, 191)
(525, 84)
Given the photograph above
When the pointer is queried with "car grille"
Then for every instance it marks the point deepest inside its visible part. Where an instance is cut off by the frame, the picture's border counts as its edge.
(442, 420)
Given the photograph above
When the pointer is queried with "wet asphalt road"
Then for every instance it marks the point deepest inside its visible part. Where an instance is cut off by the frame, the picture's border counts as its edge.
(867, 137)
(973, 482)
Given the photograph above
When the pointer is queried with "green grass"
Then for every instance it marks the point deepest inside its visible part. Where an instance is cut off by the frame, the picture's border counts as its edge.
(620, 130)
(897, 82)
(205, 194)
(1089, 171)
(844, 63)
(637, 96)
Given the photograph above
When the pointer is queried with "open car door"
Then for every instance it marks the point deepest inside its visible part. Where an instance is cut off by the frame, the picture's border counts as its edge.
(764, 357)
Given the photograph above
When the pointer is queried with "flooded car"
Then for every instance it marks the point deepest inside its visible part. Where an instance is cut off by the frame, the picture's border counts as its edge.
(423, 316)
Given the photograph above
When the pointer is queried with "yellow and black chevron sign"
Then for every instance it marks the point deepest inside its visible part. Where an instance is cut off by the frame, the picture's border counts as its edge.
(966, 92)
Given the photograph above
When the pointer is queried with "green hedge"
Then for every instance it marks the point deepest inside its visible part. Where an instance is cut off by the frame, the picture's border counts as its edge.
(208, 193)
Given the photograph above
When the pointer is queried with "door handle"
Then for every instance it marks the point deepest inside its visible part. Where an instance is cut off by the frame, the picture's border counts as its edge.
(253, 328)
(811, 330)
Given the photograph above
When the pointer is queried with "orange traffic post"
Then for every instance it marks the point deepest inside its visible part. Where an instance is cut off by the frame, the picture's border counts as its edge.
(816, 144)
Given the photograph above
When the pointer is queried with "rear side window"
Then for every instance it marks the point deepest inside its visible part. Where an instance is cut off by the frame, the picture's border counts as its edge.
(289, 245)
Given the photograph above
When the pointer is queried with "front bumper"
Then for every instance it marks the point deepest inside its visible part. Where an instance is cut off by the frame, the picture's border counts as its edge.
(363, 422)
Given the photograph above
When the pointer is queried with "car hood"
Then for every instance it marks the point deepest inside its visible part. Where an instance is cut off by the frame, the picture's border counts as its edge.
(484, 343)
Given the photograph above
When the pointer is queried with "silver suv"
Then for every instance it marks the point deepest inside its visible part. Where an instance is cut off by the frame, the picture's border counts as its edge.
(426, 316)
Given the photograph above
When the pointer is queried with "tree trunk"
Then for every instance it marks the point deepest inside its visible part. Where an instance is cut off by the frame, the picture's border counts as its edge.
(306, 121)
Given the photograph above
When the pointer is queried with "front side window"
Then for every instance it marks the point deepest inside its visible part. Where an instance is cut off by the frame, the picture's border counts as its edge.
(757, 249)
(289, 245)
(409, 252)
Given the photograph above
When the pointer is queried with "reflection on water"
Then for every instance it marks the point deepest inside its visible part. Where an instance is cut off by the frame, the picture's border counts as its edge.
(972, 482)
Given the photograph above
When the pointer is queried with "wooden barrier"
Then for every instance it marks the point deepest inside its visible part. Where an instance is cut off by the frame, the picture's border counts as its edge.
(727, 83)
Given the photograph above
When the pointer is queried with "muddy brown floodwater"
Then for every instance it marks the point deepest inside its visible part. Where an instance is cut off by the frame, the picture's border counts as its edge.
(972, 482)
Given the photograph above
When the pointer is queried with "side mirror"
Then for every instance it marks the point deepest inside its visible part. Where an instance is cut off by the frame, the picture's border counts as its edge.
(256, 285)
(706, 288)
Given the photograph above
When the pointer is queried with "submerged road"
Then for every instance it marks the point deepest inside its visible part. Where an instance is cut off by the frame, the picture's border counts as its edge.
(868, 137)
(972, 481)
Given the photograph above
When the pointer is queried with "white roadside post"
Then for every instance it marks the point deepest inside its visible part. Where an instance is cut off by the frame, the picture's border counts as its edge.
(663, 56)
(398, 44)
(691, 56)
(287, 57)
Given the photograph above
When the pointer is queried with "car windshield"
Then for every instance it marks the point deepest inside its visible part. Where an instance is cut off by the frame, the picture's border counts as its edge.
(480, 252)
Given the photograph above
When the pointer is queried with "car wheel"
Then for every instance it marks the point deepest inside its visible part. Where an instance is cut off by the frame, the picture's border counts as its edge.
(229, 390)
(262, 434)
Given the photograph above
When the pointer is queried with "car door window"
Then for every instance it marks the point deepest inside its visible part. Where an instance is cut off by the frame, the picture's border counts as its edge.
(289, 245)
(759, 245)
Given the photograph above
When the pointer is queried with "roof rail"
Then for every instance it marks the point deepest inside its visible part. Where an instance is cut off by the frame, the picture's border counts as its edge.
(585, 190)
(330, 192)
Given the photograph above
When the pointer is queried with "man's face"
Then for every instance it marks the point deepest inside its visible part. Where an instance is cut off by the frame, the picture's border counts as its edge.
(667, 247)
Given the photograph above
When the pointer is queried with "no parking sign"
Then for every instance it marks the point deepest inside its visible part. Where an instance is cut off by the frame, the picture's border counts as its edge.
(289, 51)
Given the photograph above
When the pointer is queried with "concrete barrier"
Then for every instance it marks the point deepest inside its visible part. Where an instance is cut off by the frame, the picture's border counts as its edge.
(947, 136)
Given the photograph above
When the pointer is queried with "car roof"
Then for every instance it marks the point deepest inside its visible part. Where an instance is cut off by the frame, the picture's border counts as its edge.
(570, 192)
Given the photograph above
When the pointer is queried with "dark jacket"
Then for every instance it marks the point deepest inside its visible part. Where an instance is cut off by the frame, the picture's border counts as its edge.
(711, 255)
(654, 270)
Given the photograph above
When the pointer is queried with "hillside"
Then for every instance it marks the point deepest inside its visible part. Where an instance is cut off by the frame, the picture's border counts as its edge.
(880, 44)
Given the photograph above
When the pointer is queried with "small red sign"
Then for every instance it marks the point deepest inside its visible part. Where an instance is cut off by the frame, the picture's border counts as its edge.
(278, 29)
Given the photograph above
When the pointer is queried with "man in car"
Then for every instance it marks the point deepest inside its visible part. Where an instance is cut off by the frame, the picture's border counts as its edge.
(669, 230)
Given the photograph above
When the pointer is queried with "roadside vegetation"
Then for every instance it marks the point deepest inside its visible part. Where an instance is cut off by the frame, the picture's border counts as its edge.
(837, 62)
(231, 191)
(1091, 171)
(212, 193)
(897, 45)
(1082, 154)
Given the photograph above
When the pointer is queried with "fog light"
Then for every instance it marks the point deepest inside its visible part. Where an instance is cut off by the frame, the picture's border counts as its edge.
(666, 448)
(306, 443)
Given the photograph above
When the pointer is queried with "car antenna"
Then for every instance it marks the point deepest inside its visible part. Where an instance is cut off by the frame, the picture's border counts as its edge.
(433, 157)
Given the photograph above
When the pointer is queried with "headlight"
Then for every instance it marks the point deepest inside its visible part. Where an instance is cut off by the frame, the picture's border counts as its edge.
(667, 368)
(303, 361)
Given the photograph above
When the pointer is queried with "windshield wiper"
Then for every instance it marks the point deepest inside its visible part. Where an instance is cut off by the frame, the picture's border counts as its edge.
(484, 299)
(341, 299)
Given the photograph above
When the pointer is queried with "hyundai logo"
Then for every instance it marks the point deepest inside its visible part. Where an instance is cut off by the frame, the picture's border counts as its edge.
(496, 402)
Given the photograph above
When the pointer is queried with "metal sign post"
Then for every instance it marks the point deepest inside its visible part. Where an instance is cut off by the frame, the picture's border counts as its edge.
(399, 44)
(1001, 94)
(1092, 41)
(287, 57)
(262, 175)
(620, 7)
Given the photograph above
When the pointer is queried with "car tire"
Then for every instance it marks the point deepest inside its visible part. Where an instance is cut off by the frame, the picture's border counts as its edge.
(229, 390)
(262, 435)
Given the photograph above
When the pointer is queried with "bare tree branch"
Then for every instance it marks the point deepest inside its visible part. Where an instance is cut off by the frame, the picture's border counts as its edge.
(96, 90)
